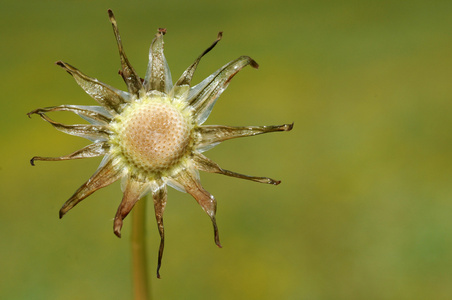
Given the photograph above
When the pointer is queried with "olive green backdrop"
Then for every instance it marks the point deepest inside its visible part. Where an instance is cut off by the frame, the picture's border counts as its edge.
(364, 210)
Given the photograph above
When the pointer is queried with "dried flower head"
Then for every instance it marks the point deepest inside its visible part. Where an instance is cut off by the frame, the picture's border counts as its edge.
(152, 135)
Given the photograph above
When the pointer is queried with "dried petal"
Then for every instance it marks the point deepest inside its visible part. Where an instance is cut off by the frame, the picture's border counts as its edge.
(95, 133)
(214, 134)
(204, 164)
(159, 194)
(182, 85)
(92, 150)
(189, 179)
(93, 114)
(128, 73)
(158, 75)
(104, 176)
(107, 96)
(133, 191)
(203, 96)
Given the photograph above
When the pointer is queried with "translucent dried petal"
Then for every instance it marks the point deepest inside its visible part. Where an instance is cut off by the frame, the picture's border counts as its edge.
(183, 84)
(127, 72)
(214, 134)
(133, 191)
(93, 114)
(107, 96)
(104, 176)
(92, 150)
(203, 96)
(159, 195)
(189, 179)
(95, 133)
(202, 163)
(158, 75)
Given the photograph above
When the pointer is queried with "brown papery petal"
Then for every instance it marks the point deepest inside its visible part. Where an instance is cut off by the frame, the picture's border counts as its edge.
(158, 75)
(128, 73)
(212, 134)
(89, 112)
(186, 77)
(188, 178)
(203, 96)
(91, 132)
(92, 150)
(202, 163)
(159, 195)
(105, 95)
(103, 177)
(133, 191)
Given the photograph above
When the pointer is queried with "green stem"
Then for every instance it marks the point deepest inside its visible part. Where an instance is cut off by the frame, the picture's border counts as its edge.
(141, 286)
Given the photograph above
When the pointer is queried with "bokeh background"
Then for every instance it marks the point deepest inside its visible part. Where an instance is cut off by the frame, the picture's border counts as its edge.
(364, 210)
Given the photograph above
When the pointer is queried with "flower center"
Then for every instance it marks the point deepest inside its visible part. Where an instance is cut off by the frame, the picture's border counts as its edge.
(154, 135)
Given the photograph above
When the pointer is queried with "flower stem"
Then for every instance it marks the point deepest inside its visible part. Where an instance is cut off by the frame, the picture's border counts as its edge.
(141, 283)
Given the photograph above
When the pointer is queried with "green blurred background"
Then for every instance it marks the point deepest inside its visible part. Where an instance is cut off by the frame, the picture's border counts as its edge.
(364, 210)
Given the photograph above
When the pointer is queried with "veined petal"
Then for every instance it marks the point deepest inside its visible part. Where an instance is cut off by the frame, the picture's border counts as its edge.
(94, 114)
(127, 72)
(204, 164)
(203, 96)
(104, 176)
(189, 179)
(133, 191)
(214, 134)
(158, 75)
(159, 195)
(107, 96)
(183, 84)
(91, 150)
(95, 133)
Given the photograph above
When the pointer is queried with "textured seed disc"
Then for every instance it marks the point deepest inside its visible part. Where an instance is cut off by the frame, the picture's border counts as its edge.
(154, 136)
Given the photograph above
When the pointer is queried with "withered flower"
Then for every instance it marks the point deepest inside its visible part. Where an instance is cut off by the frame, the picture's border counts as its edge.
(152, 135)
